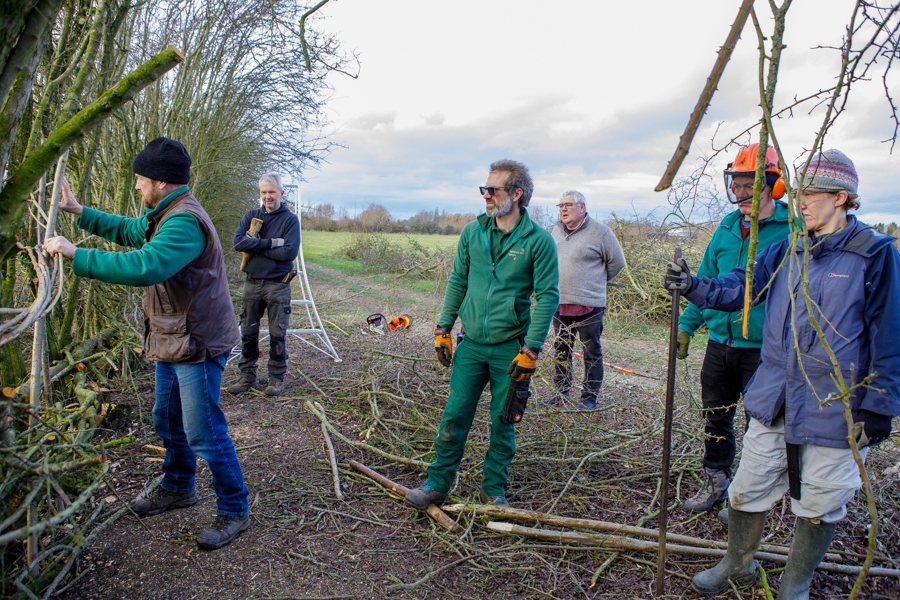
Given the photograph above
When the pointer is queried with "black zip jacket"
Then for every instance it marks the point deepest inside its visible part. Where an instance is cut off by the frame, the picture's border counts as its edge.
(267, 262)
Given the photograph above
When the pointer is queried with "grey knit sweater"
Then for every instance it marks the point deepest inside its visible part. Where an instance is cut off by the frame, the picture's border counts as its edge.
(588, 258)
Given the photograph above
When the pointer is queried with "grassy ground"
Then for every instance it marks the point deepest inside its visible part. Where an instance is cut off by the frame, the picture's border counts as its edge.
(321, 247)
(321, 250)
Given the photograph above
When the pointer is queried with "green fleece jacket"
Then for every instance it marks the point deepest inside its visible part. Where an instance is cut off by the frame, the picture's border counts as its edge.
(492, 297)
(177, 242)
(727, 250)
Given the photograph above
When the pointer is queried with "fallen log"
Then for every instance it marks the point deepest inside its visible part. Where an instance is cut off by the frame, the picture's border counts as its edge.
(433, 511)
(590, 524)
(614, 542)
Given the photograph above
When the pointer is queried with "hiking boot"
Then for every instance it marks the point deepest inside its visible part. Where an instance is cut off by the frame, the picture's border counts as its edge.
(807, 551)
(744, 534)
(223, 531)
(276, 387)
(162, 500)
(492, 500)
(714, 490)
(421, 497)
(243, 384)
(723, 516)
(586, 405)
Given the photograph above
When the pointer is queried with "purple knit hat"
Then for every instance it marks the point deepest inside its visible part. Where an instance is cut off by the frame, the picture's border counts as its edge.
(831, 171)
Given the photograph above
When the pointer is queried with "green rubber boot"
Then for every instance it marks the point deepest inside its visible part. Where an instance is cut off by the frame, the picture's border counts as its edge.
(744, 534)
(807, 550)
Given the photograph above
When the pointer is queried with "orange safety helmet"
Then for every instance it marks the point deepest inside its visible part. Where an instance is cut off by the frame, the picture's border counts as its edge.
(401, 322)
(745, 164)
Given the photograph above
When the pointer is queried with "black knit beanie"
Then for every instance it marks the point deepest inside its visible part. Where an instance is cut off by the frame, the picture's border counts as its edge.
(164, 160)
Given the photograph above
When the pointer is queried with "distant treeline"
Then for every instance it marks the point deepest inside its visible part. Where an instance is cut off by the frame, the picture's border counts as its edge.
(376, 218)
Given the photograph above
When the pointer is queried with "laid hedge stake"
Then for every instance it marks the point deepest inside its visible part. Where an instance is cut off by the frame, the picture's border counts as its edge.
(667, 438)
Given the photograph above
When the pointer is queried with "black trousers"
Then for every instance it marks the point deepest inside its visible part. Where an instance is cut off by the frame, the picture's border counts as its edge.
(726, 372)
(262, 296)
(589, 327)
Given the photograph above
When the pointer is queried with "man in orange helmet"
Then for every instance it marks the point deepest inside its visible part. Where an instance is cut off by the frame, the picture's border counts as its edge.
(731, 359)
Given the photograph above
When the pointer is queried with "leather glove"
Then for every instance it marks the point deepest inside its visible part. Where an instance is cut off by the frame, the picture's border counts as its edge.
(276, 242)
(684, 340)
(443, 345)
(678, 277)
(877, 427)
(523, 365)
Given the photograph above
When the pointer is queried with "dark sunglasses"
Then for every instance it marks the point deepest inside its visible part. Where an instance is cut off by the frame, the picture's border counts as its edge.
(492, 190)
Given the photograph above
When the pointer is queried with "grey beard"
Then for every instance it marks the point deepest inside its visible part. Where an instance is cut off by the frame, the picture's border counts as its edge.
(500, 210)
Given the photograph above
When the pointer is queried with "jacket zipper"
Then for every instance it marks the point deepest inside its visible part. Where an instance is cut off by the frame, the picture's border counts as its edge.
(487, 241)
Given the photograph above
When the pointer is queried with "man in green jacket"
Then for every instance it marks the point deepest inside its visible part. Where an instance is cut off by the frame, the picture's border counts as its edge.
(502, 258)
(189, 328)
(731, 359)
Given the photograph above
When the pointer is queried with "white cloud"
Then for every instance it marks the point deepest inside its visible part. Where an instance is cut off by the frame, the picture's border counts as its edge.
(587, 94)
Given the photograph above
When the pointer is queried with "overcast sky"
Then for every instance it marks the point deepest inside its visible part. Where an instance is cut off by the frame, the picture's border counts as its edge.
(592, 95)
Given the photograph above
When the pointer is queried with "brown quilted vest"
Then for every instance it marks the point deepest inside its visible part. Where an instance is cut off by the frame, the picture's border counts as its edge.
(190, 313)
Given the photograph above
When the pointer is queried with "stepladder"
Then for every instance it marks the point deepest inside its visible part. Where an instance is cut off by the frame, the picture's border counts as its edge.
(306, 324)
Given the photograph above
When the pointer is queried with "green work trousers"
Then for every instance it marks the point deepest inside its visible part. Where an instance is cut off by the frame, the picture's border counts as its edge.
(474, 365)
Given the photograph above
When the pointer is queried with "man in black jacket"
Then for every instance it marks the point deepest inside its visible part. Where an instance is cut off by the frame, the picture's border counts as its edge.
(267, 289)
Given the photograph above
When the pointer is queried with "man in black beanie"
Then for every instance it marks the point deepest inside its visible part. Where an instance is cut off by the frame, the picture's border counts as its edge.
(189, 326)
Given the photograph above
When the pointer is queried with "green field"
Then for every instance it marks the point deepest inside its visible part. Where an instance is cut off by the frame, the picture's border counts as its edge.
(321, 247)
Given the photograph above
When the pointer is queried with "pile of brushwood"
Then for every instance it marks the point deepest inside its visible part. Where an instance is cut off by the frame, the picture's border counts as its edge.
(384, 409)
(51, 507)
(379, 254)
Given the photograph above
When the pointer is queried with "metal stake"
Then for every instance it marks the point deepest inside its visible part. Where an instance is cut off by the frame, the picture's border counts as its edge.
(667, 439)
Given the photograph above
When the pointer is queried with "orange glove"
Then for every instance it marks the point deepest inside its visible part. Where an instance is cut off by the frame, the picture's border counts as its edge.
(523, 365)
(443, 346)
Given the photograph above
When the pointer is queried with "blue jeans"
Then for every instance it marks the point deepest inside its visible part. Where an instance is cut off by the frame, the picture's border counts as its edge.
(188, 419)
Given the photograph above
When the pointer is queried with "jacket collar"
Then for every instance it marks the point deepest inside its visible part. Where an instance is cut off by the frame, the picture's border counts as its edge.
(281, 208)
(523, 227)
(565, 230)
(732, 220)
(832, 242)
(159, 208)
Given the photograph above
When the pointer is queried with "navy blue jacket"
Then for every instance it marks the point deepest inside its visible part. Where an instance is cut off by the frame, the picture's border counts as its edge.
(854, 285)
(268, 262)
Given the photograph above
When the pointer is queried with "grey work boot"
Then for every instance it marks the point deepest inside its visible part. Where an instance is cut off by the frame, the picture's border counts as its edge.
(276, 387)
(422, 496)
(223, 531)
(243, 384)
(714, 490)
(807, 550)
(744, 534)
(493, 500)
(162, 500)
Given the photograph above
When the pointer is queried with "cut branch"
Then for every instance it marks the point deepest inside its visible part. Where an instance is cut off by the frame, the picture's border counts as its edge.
(684, 144)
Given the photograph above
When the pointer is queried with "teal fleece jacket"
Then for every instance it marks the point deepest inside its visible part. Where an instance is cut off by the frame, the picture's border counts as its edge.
(177, 242)
(727, 250)
(493, 297)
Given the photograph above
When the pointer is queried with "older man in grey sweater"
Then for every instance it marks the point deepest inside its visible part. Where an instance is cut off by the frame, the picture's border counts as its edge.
(589, 257)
